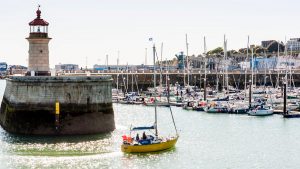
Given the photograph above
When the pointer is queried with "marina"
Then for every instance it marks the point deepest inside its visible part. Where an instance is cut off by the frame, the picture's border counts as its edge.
(212, 96)
(206, 141)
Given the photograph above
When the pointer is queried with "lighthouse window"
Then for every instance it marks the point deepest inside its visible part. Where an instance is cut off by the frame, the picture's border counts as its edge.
(41, 51)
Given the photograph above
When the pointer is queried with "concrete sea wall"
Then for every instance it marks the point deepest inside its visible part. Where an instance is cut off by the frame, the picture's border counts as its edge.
(146, 80)
(28, 105)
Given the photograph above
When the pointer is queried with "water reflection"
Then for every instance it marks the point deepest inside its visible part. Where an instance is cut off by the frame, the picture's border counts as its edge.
(24, 139)
(56, 145)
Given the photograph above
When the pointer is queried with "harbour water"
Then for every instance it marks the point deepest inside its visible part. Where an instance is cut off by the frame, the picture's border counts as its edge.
(206, 141)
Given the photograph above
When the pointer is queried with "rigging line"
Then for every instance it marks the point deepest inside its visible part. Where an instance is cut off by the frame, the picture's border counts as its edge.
(168, 97)
(137, 85)
(293, 80)
(234, 81)
(160, 69)
(142, 85)
(154, 76)
(160, 63)
(237, 85)
(277, 82)
(144, 81)
(125, 90)
(260, 82)
(271, 80)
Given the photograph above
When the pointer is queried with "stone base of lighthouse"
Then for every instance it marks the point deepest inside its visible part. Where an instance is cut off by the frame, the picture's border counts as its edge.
(28, 105)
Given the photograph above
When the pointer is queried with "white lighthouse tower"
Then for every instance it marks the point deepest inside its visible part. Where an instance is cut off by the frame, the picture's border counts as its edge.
(38, 62)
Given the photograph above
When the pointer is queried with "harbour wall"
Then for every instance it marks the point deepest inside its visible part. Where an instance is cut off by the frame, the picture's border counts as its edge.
(146, 80)
(28, 105)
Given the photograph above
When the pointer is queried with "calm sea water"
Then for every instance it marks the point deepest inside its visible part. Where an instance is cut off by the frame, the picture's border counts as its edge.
(206, 141)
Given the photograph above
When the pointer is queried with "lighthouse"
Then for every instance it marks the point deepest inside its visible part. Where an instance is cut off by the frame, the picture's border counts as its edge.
(39, 104)
(38, 61)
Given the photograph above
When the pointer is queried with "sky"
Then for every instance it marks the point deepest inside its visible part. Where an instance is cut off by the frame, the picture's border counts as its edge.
(84, 32)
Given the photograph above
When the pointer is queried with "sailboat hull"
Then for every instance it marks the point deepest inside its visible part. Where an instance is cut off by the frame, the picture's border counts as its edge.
(127, 148)
(260, 112)
(158, 104)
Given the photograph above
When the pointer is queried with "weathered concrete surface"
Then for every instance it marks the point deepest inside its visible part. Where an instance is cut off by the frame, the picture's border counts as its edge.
(146, 80)
(28, 105)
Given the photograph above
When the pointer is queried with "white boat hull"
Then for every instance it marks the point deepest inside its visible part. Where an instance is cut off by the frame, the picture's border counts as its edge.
(261, 112)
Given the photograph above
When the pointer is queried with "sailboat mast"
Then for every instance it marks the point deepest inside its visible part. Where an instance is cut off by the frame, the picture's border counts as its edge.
(278, 51)
(167, 71)
(265, 64)
(187, 60)
(160, 66)
(118, 72)
(127, 78)
(106, 62)
(252, 66)
(217, 77)
(204, 68)
(227, 77)
(290, 68)
(200, 72)
(145, 56)
(226, 64)
(245, 87)
(286, 56)
(154, 67)
(131, 79)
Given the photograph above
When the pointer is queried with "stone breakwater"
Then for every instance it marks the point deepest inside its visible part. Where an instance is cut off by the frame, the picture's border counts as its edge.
(28, 105)
(234, 79)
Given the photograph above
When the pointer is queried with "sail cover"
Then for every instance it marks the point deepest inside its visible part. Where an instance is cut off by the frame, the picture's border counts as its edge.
(142, 128)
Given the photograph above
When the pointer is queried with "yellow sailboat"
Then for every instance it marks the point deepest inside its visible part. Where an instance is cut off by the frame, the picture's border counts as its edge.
(148, 142)
(139, 148)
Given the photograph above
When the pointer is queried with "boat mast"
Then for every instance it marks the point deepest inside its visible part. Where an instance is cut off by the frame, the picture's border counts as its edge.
(167, 71)
(227, 86)
(265, 64)
(160, 66)
(252, 66)
(106, 62)
(245, 87)
(154, 67)
(286, 66)
(290, 68)
(278, 51)
(145, 56)
(217, 76)
(187, 60)
(226, 65)
(204, 54)
(200, 73)
(118, 72)
(291, 75)
(286, 63)
(131, 79)
(284, 98)
(127, 78)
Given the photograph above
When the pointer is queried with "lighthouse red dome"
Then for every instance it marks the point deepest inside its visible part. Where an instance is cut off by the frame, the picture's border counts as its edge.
(38, 21)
